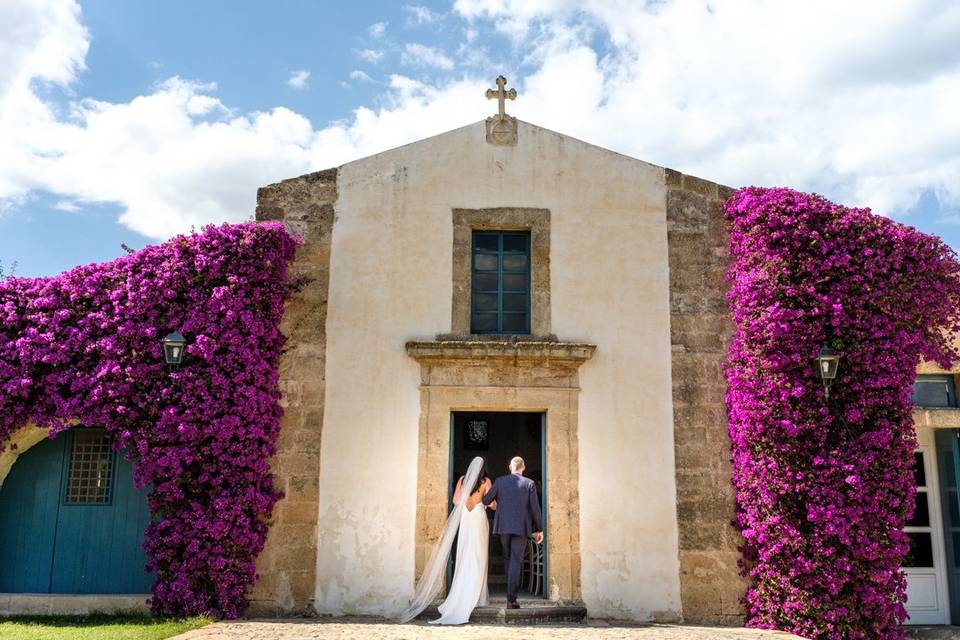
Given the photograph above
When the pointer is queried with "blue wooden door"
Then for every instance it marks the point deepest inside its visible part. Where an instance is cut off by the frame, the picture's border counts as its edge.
(29, 500)
(71, 520)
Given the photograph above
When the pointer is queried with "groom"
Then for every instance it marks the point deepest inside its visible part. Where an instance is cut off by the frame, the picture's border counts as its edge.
(517, 517)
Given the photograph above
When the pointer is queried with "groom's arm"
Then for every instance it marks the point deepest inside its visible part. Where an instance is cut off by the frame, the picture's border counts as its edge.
(491, 494)
(535, 508)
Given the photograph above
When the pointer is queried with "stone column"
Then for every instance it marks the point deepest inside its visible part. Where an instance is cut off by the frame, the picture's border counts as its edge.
(287, 566)
(700, 330)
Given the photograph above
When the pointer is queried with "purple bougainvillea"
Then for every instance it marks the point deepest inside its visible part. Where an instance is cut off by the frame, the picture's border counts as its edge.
(84, 348)
(824, 487)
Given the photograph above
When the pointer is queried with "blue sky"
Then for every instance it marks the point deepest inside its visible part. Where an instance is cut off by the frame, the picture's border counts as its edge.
(128, 122)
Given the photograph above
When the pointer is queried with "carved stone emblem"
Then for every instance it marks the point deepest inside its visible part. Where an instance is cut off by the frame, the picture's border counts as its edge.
(501, 128)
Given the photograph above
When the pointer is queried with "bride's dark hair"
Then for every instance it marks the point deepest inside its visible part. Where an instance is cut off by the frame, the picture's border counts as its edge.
(480, 478)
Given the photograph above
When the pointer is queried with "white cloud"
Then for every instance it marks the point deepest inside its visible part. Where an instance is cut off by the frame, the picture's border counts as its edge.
(370, 55)
(177, 157)
(40, 40)
(846, 99)
(298, 79)
(419, 15)
(377, 29)
(66, 205)
(419, 55)
(356, 74)
(855, 99)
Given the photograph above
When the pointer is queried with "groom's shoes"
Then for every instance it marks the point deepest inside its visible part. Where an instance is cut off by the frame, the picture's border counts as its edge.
(513, 605)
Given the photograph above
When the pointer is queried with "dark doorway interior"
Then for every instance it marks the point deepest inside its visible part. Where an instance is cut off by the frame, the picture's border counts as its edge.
(498, 436)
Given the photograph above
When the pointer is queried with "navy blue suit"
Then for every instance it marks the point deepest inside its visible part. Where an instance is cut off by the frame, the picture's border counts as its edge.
(517, 516)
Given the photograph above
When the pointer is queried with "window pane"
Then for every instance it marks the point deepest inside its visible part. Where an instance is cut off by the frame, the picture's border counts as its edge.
(514, 282)
(486, 241)
(934, 391)
(515, 243)
(921, 550)
(515, 262)
(485, 282)
(91, 468)
(501, 282)
(484, 322)
(485, 302)
(485, 262)
(516, 302)
(515, 323)
(931, 394)
(919, 472)
(921, 511)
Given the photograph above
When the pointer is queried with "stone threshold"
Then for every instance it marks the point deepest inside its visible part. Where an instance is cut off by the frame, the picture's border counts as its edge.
(47, 604)
(530, 612)
(520, 351)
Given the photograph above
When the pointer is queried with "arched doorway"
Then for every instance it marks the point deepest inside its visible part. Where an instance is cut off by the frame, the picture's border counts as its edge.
(71, 520)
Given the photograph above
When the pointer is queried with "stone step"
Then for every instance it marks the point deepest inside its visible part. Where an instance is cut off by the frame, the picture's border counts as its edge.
(531, 611)
(924, 632)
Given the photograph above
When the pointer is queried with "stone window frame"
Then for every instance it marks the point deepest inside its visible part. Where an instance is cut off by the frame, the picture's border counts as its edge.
(533, 220)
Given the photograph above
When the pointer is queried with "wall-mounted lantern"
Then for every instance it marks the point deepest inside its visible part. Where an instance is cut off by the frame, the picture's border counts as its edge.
(828, 362)
(173, 347)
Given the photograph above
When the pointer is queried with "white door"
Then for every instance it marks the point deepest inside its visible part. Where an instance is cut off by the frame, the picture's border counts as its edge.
(927, 599)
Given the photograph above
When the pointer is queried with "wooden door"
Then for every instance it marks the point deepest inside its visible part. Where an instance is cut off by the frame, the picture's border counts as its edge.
(71, 520)
(29, 501)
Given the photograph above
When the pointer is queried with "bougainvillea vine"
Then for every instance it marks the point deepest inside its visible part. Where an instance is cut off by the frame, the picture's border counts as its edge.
(824, 487)
(84, 349)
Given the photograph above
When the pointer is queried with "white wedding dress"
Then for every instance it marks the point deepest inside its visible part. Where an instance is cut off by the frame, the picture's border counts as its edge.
(469, 587)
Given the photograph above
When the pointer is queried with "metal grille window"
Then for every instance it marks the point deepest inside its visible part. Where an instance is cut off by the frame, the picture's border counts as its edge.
(501, 282)
(90, 479)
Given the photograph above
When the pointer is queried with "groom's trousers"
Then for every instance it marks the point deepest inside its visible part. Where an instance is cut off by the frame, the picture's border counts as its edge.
(513, 549)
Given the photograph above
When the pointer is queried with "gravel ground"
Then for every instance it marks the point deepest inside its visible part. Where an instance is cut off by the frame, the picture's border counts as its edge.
(363, 629)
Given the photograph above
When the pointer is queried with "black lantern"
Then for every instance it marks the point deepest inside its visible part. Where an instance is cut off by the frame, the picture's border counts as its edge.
(173, 346)
(828, 362)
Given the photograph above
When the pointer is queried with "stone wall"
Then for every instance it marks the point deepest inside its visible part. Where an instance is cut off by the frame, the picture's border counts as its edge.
(18, 443)
(287, 566)
(700, 329)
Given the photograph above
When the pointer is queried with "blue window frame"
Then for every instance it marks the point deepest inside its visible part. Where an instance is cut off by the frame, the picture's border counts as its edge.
(500, 277)
(934, 391)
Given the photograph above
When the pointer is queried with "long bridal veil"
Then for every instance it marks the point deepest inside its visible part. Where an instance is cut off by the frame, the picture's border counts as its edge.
(431, 582)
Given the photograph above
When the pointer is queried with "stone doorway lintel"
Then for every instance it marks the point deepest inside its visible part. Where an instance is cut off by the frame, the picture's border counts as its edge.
(504, 375)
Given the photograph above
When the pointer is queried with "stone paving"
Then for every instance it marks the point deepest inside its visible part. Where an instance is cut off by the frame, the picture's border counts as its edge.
(366, 629)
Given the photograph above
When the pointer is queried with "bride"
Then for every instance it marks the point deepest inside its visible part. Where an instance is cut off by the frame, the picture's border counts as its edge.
(468, 521)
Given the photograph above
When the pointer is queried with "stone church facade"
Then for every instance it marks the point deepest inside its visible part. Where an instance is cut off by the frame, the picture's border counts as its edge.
(618, 349)
(496, 290)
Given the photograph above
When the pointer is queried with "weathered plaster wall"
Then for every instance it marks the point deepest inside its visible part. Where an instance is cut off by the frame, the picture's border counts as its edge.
(390, 282)
(700, 330)
(287, 565)
(17, 445)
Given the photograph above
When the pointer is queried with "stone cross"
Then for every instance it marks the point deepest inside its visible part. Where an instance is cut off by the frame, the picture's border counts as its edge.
(501, 95)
